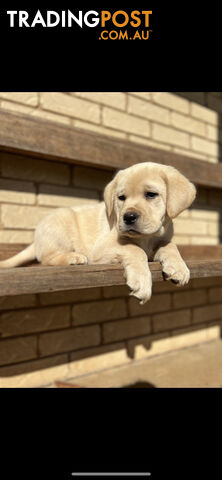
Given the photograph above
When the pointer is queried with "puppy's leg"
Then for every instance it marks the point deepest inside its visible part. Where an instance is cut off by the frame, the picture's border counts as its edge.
(61, 258)
(135, 263)
(137, 273)
(174, 267)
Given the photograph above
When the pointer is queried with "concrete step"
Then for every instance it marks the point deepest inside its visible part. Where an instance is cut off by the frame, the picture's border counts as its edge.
(196, 366)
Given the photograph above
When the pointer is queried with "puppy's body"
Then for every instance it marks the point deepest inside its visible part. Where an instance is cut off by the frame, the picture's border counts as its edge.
(134, 224)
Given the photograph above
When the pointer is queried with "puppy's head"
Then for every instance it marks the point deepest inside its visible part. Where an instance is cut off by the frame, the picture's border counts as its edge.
(140, 198)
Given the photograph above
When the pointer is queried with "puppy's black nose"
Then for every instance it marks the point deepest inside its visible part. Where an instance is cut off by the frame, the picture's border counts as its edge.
(130, 218)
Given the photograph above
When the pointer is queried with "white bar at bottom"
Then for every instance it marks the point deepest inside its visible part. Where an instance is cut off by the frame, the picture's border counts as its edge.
(111, 474)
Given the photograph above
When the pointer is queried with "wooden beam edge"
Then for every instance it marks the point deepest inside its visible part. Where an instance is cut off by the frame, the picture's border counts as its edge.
(40, 138)
(27, 280)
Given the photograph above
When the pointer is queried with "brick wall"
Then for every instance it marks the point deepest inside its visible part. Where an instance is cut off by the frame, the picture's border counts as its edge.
(184, 123)
(52, 336)
(187, 123)
(68, 334)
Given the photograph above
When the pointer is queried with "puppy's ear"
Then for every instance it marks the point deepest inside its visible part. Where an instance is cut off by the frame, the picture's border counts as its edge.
(180, 192)
(109, 197)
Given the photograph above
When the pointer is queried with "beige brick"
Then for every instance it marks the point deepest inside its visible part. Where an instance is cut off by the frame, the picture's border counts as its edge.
(16, 350)
(171, 320)
(205, 214)
(44, 378)
(146, 95)
(212, 132)
(201, 145)
(190, 298)
(161, 343)
(112, 99)
(95, 312)
(116, 291)
(212, 159)
(12, 191)
(184, 122)
(208, 312)
(16, 236)
(71, 106)
(190, 153)
(52, 117)
(70, 296)
(204, 240)
(187, 226)
(143, 347)
(215, 294)
(127, 123)
(98, 358)
(16, 107)
(188, 338)
(170, 135)
(28, 98)
(214, 332)
(204, 114)
(214, 103)
(17, 301)
(25, 168)
(35, 320)
(91, 178)
(150, 143)
(167, 286)
(16, 216)
(99, 129)
(68, 340)
(193, 96)
(38, 372)
(201, 196)
(214, 229)
(144, 109)
(94, 351)
(114, 331)
(172, 101)
(50, 195)
(215, 197)
(215, 94)
(182, 239)
(158, 303)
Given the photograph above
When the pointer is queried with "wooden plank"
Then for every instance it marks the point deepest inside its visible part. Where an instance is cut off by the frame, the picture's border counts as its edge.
(204, 268)
(25, 280)
(203, 261)
(201, 252)
(43, 139)
(190, 252)
(7, 250)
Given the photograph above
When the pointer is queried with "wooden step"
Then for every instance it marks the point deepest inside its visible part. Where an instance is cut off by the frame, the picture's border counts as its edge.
(38, 279)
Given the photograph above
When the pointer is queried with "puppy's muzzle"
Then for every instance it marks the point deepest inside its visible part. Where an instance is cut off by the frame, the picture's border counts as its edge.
(130, 218)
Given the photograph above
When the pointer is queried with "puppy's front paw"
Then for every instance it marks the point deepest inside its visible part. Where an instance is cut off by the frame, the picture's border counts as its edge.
(178, 272)
(76, 259)
(139, 284)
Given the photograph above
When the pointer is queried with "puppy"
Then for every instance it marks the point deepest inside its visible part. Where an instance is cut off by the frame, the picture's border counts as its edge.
(132, 225)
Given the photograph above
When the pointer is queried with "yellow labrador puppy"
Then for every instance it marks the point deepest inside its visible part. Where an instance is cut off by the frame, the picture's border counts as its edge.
(134, 224)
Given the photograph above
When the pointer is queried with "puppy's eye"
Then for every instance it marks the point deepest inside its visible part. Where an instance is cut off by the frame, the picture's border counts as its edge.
(151, 195)
(122, 198)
